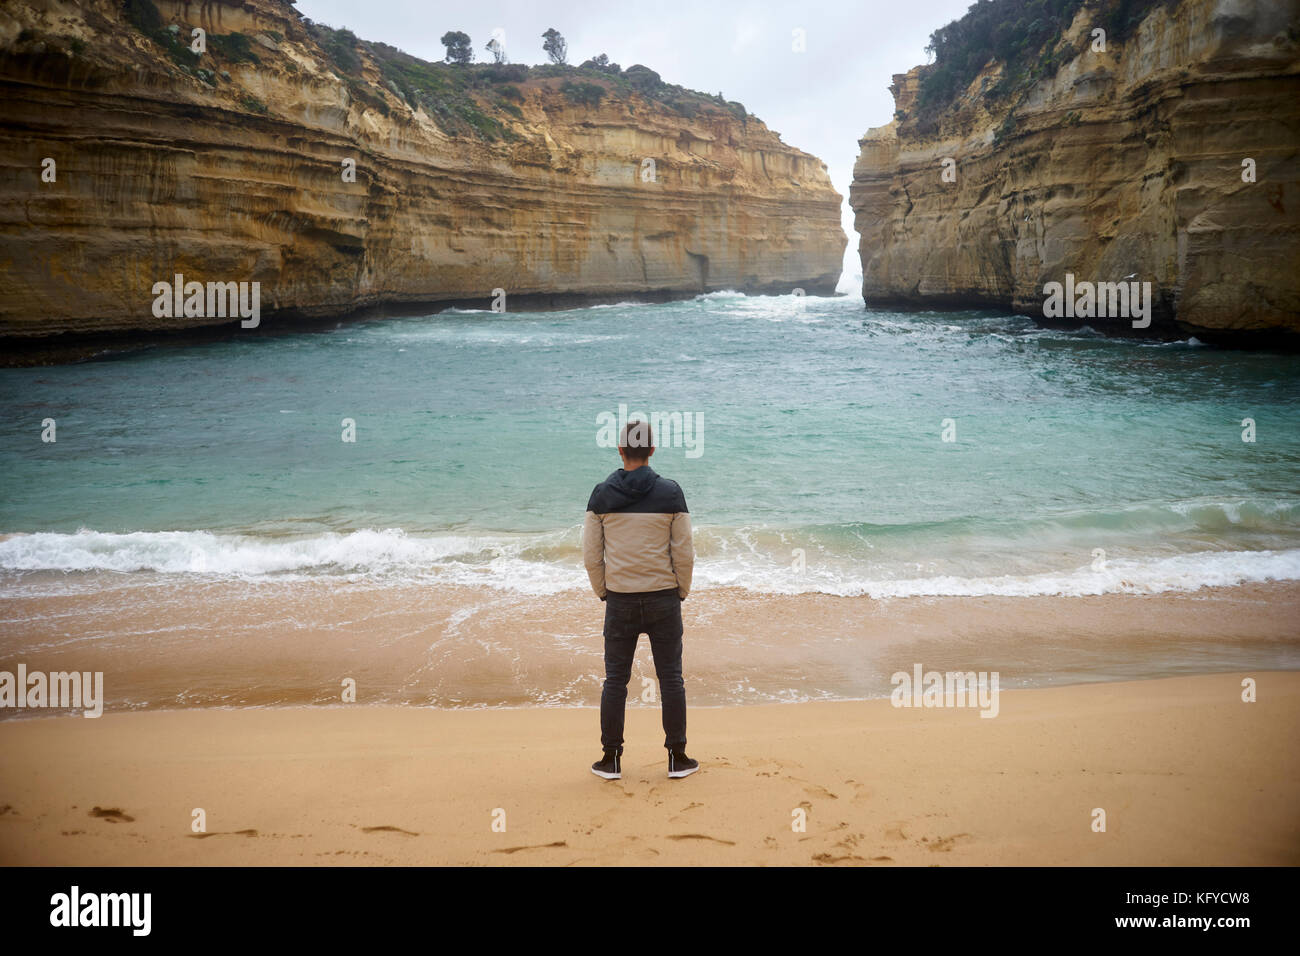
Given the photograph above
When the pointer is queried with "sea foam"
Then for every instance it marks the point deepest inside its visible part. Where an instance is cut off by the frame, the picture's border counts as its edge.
(550, 563)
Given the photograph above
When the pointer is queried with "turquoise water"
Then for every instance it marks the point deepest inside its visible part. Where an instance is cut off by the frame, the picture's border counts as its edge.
(820, 465)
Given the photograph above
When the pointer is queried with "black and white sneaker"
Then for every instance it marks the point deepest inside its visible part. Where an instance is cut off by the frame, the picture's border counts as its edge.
(680, 765)
(609, 766)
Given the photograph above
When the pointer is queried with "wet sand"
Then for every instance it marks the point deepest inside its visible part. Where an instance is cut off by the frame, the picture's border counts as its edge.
(269, 643)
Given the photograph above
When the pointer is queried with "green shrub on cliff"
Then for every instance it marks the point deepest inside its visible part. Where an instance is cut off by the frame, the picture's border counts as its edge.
(1022, 35)
(144, 16)
(601, 64)
(1011, 31)
(643, 79)
(506, 73)
(340, 46)
(363, 93)
(463, 99)
(253, 105)
(683, 107)
(584, 94)
(1123, 16)
(234, 47)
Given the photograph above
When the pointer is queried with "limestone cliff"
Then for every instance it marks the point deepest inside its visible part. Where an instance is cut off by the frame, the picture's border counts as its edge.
(230, 166)
(1104, 164)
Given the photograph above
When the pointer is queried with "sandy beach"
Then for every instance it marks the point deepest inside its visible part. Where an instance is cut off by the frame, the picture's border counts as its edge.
(1187, 773)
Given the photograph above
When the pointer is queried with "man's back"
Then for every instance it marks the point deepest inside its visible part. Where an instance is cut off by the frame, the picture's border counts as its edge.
(637, 535)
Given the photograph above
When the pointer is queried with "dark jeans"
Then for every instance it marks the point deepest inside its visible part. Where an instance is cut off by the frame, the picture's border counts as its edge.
(627, 616)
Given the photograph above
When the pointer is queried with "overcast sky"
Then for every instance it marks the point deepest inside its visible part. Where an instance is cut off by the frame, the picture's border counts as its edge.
(821, 100)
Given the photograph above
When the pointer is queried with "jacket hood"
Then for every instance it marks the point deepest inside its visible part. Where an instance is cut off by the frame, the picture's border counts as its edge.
(622, 488)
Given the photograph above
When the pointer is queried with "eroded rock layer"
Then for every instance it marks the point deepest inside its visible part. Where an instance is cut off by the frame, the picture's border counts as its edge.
(230, 168)
(1127, 163)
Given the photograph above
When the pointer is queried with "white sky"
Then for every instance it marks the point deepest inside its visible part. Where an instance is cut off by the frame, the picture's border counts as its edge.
(821, 100)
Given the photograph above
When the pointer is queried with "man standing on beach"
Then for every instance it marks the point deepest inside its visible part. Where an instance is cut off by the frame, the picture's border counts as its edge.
(636, 543)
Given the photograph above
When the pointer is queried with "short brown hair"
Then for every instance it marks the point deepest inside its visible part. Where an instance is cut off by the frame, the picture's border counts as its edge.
(637, 440)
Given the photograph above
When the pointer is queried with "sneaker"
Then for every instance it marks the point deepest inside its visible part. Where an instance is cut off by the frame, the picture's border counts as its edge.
(680, 765)
(609, 766)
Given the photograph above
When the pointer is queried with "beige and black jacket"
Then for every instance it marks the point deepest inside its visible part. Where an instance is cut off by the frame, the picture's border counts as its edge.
(637, 535)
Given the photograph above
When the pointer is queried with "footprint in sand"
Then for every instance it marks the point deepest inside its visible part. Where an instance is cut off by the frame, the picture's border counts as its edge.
(699, 836)
(605, 817)
(860, 791)
(643, 852)
(204, 836)
(815, 791)
(827, 858)
(112, 815)
(388, 829)
(850, 841)
(678, 817)
(945, 844)
(536, 846)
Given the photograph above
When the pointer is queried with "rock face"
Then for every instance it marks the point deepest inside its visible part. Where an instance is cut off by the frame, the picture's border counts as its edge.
(233, 170)
(1127, 161)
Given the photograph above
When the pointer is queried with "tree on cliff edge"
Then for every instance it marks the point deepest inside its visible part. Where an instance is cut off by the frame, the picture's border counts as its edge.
(555, 46)
(603, 64)
(459, 48)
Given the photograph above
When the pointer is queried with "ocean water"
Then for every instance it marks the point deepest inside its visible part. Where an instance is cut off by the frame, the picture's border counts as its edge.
(1078, 464)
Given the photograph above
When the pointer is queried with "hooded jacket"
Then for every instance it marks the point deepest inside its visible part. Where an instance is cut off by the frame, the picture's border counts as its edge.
(637, 535)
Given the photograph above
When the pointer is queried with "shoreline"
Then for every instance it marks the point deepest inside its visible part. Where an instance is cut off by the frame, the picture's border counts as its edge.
(1187, 773)
(174, 645)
